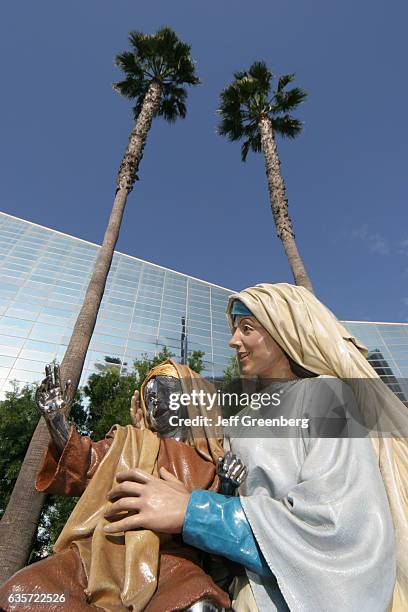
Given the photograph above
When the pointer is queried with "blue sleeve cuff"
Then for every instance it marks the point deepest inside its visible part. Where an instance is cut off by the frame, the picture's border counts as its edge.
(217, 524)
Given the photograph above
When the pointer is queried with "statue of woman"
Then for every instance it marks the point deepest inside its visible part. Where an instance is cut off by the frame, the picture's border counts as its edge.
(321, 520)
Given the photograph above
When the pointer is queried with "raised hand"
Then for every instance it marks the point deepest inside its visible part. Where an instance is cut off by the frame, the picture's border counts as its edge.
(232, 473)
(136, 413)
(51, 397)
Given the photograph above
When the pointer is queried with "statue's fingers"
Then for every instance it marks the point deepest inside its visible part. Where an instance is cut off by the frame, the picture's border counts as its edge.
(231, 467)
(57, 375)
(52, 375)
(232, 459)
(140, 422)
(48, 377)
(239, 468)
(67, 386)
(129, 523)
(136, 413)
(227, 459)
(241, 477)
(135, 401)
(47, 383)
(38, 395)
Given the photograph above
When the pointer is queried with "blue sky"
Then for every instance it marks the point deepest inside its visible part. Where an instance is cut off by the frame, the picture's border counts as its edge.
(198, 209)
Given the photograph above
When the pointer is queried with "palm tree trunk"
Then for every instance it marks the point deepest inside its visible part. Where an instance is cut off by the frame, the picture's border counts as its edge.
(74, 358)
(20, 520)
(279, 204)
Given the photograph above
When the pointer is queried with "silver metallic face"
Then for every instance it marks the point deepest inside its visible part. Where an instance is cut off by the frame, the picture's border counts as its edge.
(157, 399)
(151, 401)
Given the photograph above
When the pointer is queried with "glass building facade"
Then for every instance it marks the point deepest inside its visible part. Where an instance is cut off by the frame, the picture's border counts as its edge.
(43, 278)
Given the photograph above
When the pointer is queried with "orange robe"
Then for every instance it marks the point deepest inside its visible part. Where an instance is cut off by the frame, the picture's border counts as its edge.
(181, 579)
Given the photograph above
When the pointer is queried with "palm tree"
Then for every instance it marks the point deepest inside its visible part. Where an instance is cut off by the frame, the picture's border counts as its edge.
(156, 70)
(249, 111)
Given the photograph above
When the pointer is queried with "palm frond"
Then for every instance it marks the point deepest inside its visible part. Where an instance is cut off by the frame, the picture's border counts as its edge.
(231, 127)
(246, 145)
(251, 144)
(287, 126)
(172, 108)
(260, 72)
(130, 64)
(142, 45)
(284, 80)
(131, 88)
(285, 101)
(173, 103)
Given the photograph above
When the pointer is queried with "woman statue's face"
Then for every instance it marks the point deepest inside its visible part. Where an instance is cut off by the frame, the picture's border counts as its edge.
(257, 352)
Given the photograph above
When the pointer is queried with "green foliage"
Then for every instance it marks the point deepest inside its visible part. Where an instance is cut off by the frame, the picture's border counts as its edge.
(163, 58)
(195, 361)
(143, 365)
(231, 372)
(59, 510)
(54, 515)
(248, 99)
(109, 396)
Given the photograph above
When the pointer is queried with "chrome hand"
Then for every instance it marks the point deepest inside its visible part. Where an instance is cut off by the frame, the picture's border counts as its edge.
(51, 399)
(232, 473)
(51, 394)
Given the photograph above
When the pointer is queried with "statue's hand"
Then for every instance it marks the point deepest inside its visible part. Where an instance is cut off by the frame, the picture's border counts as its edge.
(232, 473)
(136, 413)
(51, 395)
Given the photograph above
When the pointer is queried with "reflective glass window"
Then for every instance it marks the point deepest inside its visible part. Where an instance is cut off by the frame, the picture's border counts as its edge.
(172, 343)
(150, 293)
(198, 310)
(9, 295)
(25, 376)
(118, 312)
(31, 366)
(24, 311)
(37, 289)
(119, 302)
(10, 351)
(45, 318)
(8, 283)
(4, 371)
(143, 324)
(38, 355)
(11, 341)
(105, 329)
(6, 361)
(106, 347)
(115, 322)
(47, 332)
(109, 339)
(14, 327)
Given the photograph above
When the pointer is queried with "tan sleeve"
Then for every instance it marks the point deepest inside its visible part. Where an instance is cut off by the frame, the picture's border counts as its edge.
(70, 473)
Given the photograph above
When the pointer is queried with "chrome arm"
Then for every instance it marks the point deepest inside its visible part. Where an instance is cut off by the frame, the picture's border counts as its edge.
(51, 399)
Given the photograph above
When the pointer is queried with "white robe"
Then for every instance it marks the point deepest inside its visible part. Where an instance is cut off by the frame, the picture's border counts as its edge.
(318, 509)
